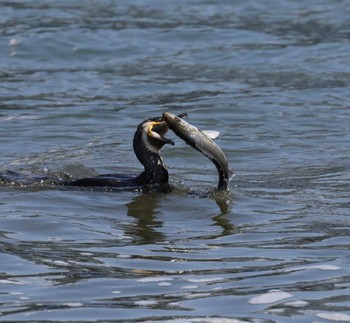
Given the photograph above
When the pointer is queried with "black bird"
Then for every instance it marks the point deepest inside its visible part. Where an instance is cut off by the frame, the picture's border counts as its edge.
(148, 140)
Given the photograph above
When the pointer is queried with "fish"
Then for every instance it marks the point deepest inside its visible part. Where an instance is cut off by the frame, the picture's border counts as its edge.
(202, 141)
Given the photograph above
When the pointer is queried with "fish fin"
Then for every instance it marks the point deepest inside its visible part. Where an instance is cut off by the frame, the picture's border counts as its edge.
(231, 174)
(212, 134)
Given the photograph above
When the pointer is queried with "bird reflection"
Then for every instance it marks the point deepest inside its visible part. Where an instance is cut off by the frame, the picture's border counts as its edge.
(144, 209)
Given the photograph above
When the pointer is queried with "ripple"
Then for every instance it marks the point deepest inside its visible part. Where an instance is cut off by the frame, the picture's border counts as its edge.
(272, 77)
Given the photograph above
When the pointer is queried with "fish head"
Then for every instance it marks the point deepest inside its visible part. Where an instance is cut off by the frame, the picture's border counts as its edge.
(177, 124)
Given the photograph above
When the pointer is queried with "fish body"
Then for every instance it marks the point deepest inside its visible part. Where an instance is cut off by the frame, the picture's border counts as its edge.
(200, 141)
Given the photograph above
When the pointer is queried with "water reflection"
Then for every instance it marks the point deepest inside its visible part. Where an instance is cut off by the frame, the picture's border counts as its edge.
(143, 208)
(223, 200)
(224, 222)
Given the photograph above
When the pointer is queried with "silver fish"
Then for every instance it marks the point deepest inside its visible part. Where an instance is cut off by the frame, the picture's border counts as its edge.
(202, 142)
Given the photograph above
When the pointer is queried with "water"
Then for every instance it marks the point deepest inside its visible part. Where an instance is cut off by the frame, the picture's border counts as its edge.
(272, 76)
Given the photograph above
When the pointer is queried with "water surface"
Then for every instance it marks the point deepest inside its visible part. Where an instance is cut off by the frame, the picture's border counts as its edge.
(271, 76)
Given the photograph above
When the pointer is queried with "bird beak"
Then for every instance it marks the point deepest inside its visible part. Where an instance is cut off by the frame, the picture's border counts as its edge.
(157, 130)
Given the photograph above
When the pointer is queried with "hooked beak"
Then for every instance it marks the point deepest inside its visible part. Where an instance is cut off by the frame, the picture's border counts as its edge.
(157, 130)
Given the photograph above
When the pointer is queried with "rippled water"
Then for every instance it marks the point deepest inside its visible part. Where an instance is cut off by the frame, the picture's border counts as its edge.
(273, 76)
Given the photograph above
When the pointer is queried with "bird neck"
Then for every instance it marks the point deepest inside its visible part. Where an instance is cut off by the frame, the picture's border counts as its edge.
(155, 171)
(154, 168)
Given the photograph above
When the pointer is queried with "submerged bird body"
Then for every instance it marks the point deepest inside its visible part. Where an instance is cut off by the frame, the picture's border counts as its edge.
(148, 140)
(200, 141)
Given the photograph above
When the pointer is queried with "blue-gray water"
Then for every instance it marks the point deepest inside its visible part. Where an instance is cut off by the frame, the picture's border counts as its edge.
(76, 78)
